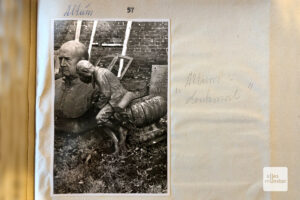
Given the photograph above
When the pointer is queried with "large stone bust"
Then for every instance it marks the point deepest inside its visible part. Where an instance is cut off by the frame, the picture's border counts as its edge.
(73, 98)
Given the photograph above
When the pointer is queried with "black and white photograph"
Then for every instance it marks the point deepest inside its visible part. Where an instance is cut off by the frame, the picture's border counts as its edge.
(110, 106)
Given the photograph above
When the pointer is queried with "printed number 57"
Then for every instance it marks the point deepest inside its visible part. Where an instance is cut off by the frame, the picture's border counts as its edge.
(130, 9)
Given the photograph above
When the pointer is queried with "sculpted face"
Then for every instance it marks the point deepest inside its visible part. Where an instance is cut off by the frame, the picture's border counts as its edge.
(68, 62)
(69, 54)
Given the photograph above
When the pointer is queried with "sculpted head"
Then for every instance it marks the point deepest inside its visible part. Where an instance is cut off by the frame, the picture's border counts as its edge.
(85, 71)
(69, 54)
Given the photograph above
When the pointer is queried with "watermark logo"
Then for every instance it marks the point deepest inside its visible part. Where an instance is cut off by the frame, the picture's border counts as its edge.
(275, 179)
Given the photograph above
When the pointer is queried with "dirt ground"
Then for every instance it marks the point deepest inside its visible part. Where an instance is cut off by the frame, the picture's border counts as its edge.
(84, 164)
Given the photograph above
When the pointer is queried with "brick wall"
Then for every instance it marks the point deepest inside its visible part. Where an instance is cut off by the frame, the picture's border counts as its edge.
(148, 41)
(64, 30)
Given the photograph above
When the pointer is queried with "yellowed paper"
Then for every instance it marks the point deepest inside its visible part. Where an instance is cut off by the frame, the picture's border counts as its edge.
(221, 56)
(204, 165)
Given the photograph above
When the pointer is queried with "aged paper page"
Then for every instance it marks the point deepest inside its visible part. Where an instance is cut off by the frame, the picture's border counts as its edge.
(284, 65)
(219, 95)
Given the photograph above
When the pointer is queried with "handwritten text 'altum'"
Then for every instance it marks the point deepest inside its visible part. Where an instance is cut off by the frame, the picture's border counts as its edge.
(79, 10)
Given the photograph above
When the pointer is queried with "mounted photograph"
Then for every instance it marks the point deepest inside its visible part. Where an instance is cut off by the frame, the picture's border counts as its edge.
(111, 111)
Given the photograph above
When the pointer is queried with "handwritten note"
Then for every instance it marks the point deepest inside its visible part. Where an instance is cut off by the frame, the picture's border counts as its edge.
(211, 88)
(79, 10)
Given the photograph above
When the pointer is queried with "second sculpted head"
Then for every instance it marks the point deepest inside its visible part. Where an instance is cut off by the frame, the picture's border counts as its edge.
(85, 70)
